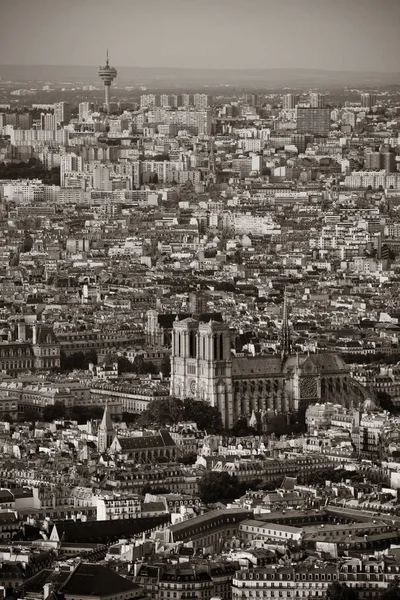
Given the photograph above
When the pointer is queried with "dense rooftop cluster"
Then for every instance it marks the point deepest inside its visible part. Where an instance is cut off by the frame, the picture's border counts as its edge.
(199, 346)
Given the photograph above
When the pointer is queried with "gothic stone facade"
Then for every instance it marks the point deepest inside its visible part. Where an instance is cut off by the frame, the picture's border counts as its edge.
(202, 367)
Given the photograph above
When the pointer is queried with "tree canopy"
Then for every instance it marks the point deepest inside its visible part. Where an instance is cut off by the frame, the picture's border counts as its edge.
(81, 414)
(215, 486)
(167, 411)
(392, 592)
(334, 475)
(32, 169)
(341, 591)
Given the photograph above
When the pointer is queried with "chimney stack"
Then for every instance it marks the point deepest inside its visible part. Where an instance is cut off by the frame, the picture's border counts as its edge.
(34, 333)
(22, 331)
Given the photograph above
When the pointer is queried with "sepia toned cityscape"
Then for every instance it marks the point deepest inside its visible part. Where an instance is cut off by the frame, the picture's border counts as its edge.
(199, 300)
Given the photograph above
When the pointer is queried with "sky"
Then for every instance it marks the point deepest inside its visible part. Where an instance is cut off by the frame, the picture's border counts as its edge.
(350, 35)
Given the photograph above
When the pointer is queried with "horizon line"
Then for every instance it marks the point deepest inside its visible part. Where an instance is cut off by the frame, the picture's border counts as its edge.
(251, 69)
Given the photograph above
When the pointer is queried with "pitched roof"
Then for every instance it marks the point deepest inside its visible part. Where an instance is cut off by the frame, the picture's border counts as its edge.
(6, 496)
(231, 515)
(289, 483)
(103, 531)
(45, 335)
(96, 580)
(161, 440)
(8, 517)
(86, 579)
(153, 507)
(186, 575)
(249, 366)
(106, 422)
(327, 361)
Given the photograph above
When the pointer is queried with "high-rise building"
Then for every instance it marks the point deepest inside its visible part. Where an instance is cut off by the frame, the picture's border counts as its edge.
(385, 160)
(48, 121)
(185, 99)
(316, 100)
(101, 178)
(315, 121)
(174, 100)
(62, 113)
(373, 161)
(24, 120)
(388, 159)
(148, 101)
(202, 101)
(368, 100)
(251, 99)
(349, 118)
(20, 120)
(165, 100)
(107, 74)
(85, 110)
(290, 101)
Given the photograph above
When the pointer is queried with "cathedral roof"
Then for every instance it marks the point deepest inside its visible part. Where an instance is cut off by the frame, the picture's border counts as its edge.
(253, 366)
(293, 360)
(327, 361)
(250, 366)
(324, 362)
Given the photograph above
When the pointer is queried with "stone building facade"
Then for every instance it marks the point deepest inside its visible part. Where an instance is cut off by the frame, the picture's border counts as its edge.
(202, 366)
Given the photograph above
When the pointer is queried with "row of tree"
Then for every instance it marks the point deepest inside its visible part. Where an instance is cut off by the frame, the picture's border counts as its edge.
(341, 591)
(333, 475)
(51, 413)
(141, 366)
(78, 360)
(367, 359)
(81, 360)
(167, 411)
(215, 486)
(32, 169)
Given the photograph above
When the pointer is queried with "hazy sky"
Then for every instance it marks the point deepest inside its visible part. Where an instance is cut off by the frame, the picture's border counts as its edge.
(326, 34)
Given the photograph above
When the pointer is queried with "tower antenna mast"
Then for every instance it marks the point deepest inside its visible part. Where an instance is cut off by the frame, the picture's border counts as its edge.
(107, 74)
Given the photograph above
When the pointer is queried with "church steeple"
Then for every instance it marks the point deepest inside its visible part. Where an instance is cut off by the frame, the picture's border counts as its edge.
(286, 342)
(105, 433)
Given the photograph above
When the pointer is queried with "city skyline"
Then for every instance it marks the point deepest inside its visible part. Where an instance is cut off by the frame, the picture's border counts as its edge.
(199, 300)
(258, 34)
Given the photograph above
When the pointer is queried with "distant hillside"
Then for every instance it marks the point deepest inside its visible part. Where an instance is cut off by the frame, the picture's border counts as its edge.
(158, 75)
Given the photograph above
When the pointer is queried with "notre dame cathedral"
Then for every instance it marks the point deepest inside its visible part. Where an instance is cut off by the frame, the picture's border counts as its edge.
(202, 366)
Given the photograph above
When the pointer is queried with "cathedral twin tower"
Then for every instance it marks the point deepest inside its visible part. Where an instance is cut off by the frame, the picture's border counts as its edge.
(201, 364)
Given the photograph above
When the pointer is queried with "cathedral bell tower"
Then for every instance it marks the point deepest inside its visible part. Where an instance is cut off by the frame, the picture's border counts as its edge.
(201, 364)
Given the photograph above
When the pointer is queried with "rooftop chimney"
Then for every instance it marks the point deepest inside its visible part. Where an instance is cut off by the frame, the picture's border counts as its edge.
(22, 331)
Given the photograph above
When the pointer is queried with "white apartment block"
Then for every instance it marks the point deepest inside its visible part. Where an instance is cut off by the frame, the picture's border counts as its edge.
(375, 179)
(117, 507)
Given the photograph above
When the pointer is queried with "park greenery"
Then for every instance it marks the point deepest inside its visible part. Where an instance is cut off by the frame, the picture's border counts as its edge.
(31, 169)
(167, 411)
(341, 591)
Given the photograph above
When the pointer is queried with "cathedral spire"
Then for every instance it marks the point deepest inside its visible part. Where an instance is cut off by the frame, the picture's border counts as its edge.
(106, 421)
(286, 342)
(105, 432)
